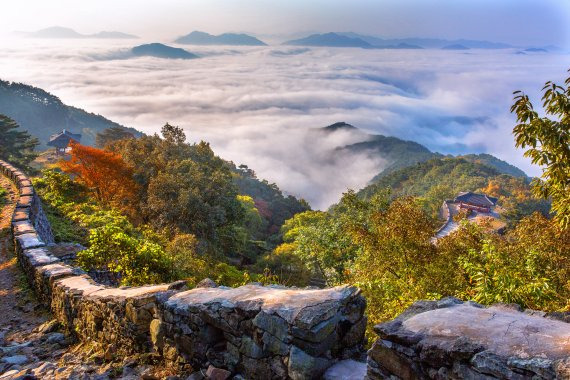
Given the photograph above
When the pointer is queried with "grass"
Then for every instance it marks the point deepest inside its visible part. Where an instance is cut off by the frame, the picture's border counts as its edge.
(3, 193)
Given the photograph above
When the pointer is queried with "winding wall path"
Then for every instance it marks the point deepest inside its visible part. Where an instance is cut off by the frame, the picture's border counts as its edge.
(255, 331)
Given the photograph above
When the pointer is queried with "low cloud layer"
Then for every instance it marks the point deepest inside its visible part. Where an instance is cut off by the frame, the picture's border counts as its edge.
(257, 106)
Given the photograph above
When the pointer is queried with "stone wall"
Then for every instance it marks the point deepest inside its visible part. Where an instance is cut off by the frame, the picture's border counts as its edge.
(450, 339)
(254, 331)
(262, 332)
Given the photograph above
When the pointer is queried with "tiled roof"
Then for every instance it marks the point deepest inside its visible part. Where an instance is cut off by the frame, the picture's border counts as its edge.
(475, 199)
(65, 133)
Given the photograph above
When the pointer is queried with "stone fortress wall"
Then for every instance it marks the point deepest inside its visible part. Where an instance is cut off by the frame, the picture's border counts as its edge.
(259, 332)
(274, 332)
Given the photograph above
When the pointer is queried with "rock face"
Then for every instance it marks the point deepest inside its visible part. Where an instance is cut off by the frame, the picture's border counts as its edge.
(253, 331)
(449, 339)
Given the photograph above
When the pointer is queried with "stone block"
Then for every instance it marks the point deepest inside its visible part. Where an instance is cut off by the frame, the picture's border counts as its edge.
(29, 240)
(304, 366)
(22, 227)
(25, 201)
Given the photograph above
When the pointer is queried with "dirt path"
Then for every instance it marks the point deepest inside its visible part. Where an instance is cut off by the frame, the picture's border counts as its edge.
(18, 313)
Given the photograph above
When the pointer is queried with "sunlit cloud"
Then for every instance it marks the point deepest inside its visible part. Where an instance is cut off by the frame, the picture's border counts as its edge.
(258, 106)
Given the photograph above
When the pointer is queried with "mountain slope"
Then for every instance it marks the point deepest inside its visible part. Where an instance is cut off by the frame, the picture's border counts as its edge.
(430, 43)
(43, 114)
(330, 40)
(201, 38)
(443, 178)
(161, 51)
(397, 153)
(492, 161)
(400, 153)
(456, 173)
(274, 207)
(61, 32)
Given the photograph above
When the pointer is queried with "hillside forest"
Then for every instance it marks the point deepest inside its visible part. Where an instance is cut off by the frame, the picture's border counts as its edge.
(152, 209)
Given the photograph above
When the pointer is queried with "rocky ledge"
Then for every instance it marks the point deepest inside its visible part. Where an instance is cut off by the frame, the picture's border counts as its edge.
(450, 339)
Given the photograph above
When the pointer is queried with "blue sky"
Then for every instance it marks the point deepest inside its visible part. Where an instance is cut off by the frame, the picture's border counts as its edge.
(524, 22)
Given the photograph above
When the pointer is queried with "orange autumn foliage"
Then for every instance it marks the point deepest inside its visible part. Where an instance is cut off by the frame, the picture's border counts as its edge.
(105, 173)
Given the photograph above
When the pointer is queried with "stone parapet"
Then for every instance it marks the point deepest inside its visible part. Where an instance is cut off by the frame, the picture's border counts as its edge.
(262, 331)
(450, 339)
(254, 331)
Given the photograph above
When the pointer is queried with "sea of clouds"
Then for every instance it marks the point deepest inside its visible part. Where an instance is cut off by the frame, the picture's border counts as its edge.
(258, 106)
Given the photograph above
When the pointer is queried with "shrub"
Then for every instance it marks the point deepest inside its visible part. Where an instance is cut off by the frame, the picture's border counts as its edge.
(138, 260)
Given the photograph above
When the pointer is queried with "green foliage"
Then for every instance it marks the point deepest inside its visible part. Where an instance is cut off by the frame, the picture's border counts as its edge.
(138, 254)
(183, 187)
(452, 175)
(530, 267)
(186, 261)
(16, 146)
(70, 209)
(173, 134)
(397, 153)
(289, 268)
(398, 262)
(496, 277)
(501, 166)
(383, 245)
(273, 207)
(252, 221)
(320, 239)
(3, 193)
(59, 196)
(138, 260)
(548, 144)
(109, 135)
(439, 179)
(114, 244)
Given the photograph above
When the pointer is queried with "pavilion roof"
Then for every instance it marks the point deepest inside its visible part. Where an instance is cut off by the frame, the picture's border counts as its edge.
(475, 199)
(63, 136)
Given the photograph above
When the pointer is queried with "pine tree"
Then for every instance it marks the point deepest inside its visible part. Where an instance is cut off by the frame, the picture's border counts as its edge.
(16, 146)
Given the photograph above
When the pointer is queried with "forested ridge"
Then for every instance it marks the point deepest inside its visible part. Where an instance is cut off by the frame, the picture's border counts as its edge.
(159, 208)
(42, 114)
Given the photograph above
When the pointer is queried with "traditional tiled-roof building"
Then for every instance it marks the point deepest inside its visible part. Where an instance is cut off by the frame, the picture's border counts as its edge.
(476, 202)
(62, 140)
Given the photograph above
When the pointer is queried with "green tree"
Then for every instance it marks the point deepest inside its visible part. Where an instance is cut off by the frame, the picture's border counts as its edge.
(112, 134)
(16, 146)
(173, 134)
(184, 187)
(548, 141)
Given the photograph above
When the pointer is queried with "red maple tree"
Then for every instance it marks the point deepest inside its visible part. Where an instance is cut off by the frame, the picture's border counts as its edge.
(105, 173)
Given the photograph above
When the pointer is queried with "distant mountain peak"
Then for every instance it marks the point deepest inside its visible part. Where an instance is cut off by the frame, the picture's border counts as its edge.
(428, 43)
(202, 38)
(341, 125)
(329, 40)
(64, 32)
(536, 50)
(455, 47)
(113, 34)
(159, 50)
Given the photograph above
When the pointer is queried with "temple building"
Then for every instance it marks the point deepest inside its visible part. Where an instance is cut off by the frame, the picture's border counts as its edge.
(476, 202)
(60, 141)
